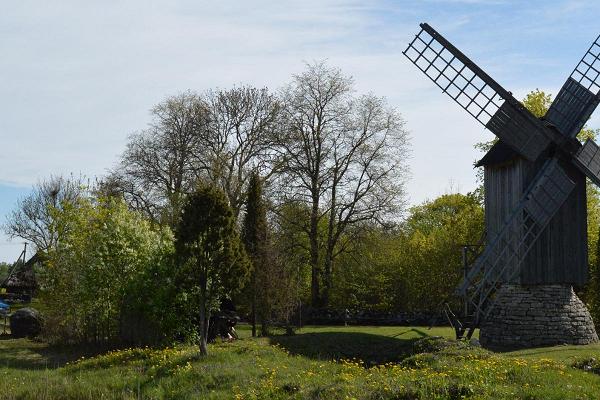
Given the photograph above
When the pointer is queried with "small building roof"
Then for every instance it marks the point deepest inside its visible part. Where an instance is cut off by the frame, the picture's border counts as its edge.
(23, 276)
(500, 153)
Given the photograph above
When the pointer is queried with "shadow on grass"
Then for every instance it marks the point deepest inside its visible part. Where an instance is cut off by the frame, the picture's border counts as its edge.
(371, 349)
(28, 354)
(419, 333)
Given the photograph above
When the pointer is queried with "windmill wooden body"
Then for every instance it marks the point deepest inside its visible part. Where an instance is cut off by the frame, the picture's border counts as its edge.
(559, 255)
(519, 289)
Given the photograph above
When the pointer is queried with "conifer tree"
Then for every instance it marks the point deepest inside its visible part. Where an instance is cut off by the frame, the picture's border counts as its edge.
(255, 238)
(211, 258)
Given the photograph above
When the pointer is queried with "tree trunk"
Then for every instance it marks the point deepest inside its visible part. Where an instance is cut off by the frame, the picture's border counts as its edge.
(203, 327)
(254, 310)
(332, 240)
(264, 327)
(314, 253)
(328, 281)
(331, 226)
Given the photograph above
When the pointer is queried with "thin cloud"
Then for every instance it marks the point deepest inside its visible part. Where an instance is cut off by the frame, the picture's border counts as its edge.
(78, 77)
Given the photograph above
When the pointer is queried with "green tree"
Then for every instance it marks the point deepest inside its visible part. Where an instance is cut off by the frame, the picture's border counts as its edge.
(153, 312)
(103, 249)
(537, 102)
(292, 249)
(592, 294)
(373, 271)
(255, 238)
(435, 233)
(274, 278)
(212, 262)
(414, 266)
(4, 269)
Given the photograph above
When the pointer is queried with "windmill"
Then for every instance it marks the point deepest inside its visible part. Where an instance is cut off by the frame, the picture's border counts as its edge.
(519, 290)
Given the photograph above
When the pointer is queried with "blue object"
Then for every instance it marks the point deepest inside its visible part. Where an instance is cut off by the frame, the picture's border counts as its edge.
(4, 306)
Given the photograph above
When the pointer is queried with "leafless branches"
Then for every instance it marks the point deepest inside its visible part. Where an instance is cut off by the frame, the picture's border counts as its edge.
(34, 217)
(219, 136)
(241, 134)
(161, 164)
(345, 156)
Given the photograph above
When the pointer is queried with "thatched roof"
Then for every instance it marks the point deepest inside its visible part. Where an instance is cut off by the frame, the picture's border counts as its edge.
(22, 276)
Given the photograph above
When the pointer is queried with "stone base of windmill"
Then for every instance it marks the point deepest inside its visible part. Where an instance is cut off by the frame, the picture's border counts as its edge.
(533, 316)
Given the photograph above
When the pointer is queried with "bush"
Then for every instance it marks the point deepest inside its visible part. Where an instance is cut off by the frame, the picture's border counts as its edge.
(432, 344)
(105, 250)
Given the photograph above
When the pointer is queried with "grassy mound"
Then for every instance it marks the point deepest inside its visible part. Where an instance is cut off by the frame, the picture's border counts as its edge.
(260, 369)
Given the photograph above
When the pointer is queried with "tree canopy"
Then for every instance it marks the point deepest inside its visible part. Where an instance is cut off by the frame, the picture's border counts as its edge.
(104, 249)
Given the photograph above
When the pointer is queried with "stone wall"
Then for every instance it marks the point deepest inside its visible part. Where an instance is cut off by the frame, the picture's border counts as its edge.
(532, 316)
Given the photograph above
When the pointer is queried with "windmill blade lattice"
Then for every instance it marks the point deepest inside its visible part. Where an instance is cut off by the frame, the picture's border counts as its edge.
(579, 96)
(587, 160)
(476, 92)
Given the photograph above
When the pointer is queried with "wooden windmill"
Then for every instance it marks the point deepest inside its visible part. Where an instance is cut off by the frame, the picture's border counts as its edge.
(535, 197)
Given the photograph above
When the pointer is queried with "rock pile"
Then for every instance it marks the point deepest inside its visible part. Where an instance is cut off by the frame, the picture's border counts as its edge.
(533, 316)
(25, 322)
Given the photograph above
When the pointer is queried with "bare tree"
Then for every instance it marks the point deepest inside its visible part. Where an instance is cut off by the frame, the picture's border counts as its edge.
(33, 218)
(218, 137)
(346, 157)
(163, 163)
(240, 140)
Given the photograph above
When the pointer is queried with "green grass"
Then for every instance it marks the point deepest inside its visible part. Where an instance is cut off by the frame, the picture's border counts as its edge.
(310, 365)
(565, 354)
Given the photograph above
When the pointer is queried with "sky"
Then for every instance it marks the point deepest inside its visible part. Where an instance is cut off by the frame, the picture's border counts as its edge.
(76, 78)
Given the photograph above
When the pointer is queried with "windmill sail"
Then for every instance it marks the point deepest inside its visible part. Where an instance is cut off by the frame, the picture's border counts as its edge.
(587, 160)
(579, 96)
(476, 92)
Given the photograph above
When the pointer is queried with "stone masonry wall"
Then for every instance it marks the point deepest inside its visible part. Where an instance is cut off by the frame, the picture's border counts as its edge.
(532, 316)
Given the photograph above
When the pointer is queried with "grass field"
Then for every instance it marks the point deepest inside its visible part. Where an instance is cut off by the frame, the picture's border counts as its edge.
(318, 363)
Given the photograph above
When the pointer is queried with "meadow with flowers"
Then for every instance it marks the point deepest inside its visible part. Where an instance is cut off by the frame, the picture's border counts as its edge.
(270, 368)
